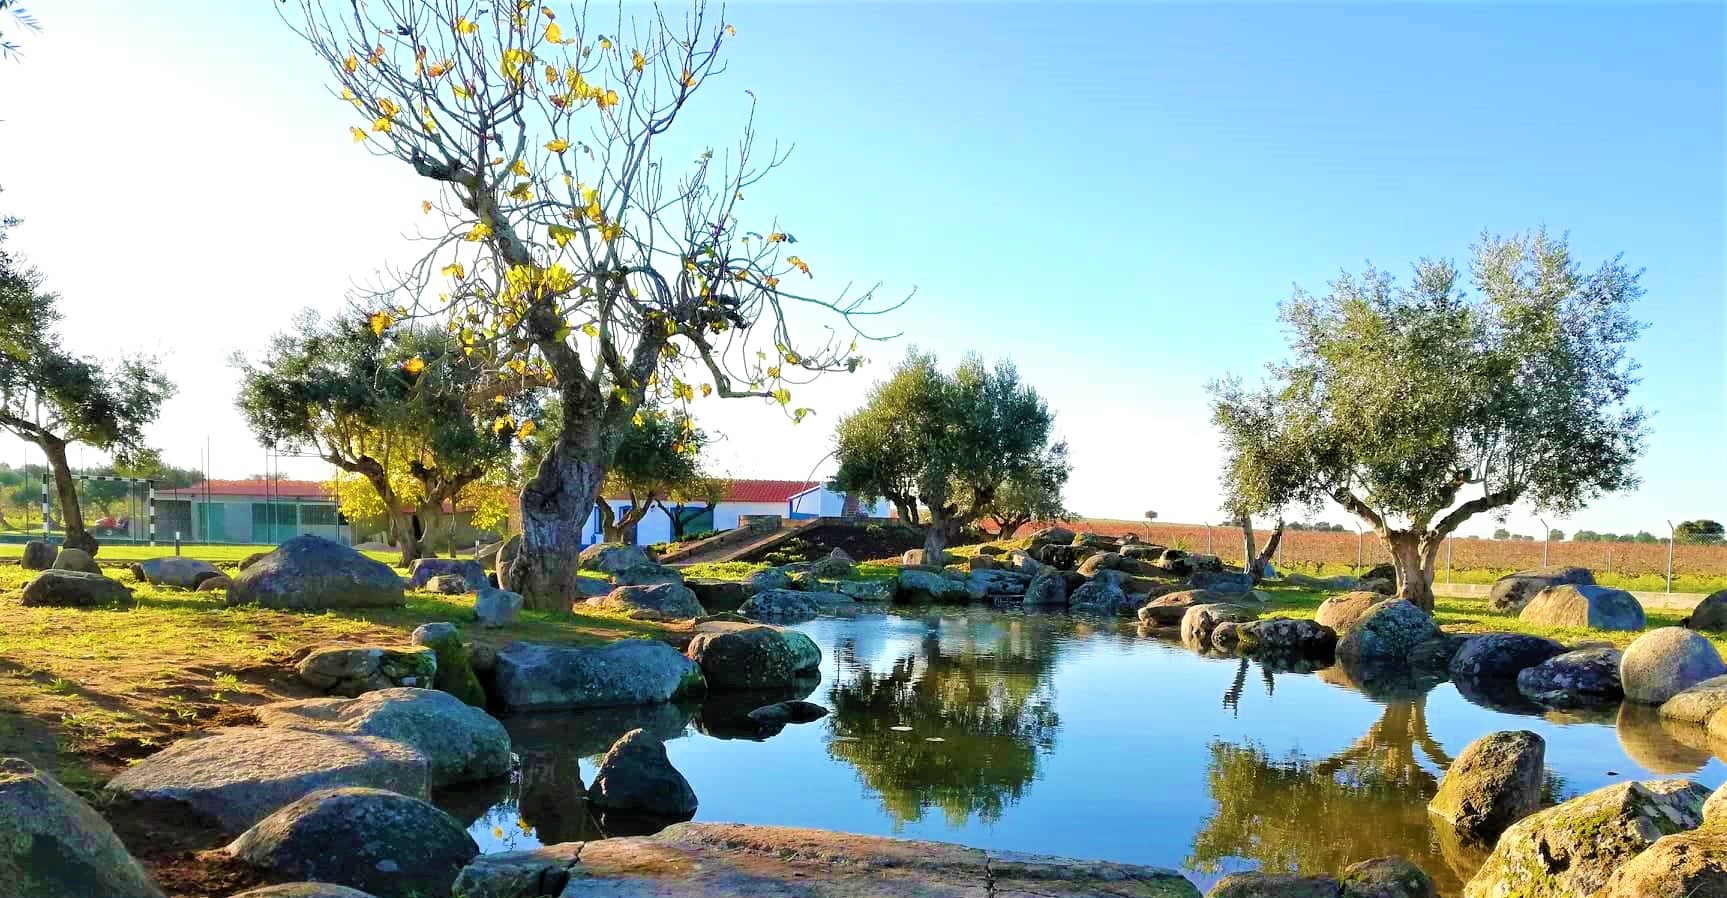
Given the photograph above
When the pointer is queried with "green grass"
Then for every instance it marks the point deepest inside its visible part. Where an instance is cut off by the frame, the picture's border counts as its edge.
(1474, 615)
(104, 682)
(739, 570)
(217, 555)
(1698, 583)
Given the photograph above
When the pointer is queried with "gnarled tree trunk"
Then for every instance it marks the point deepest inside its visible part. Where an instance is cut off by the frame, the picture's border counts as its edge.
(71, 516)
(1412, 558)
(556, 503)
(944, 528)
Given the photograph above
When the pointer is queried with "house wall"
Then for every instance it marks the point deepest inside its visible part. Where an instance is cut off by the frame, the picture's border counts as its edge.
(726, 513)
(654, 527)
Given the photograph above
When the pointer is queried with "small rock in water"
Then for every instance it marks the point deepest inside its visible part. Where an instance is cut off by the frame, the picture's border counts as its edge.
(900, 729)
(933, 739)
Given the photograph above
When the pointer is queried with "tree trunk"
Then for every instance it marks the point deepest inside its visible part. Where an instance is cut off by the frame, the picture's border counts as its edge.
(556, 503)
(943, 529)
(1266, 554)
(1006, 529)
(1248, 552)
(71, 517)
(1414, 581)
(407, 547)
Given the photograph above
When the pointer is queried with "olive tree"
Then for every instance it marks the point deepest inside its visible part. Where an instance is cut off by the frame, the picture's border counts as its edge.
(1033, 494)
(1418, 406)
(53, 398)
(947, 442)
(573, 229)
(405, 410)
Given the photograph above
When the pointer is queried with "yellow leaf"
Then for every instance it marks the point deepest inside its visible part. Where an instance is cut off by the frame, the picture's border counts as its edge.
(590, 330)
(793, 358)
(731, 32)
(554, 33)
(358, 134)
(463, 26)
(414, 365)
(462, 93)
(608, 100)
(605, 43)
(707, 389)
(526, 430)
(776, 237)
(380, 321)
(798, 263)
(497, 832)
(522, 192)
(439, 68)
(611, 232)
(782, 395)
(478, 232)
(352, 64)
(516, 365)
(455, 270)
(381, 124)
(558, 146)
(519, 169)
(376, 56)
(637, 60)
(689, 78)
(774, 371)
(426, 206)
(512, 62)
(503, 423)
(561, 235)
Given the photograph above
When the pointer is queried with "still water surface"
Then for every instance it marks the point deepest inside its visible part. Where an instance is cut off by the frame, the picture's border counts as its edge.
(1051, 735)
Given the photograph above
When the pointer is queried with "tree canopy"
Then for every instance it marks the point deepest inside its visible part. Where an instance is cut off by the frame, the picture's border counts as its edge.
(405, 410)
(1699, 532)
(1417, 406)
(950, 443)
(568, 231)
(52, 397)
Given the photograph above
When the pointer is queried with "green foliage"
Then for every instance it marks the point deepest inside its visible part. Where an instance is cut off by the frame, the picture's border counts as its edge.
(406, 410)
(950, 442)
(1400, 399)
(1698, 532)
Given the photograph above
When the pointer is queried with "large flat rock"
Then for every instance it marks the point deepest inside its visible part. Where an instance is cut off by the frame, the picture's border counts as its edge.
(541, 677)
(726, 860)
(241, 775)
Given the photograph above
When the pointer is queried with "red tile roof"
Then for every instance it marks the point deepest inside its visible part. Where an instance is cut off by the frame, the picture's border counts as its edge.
(298, 489)
(750, 490)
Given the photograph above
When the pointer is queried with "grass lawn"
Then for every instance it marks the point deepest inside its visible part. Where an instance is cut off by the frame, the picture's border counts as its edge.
(1700, 583)
(217, 555)
(84, 691)
(1472, 615)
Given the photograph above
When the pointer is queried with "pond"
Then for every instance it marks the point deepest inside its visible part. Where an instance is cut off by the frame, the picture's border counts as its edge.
(1052, 735)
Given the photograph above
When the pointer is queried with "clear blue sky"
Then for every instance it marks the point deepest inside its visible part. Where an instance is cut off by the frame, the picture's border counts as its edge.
(1114, 196)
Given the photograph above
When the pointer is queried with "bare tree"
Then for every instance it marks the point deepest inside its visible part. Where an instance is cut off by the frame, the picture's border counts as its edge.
(562, 245)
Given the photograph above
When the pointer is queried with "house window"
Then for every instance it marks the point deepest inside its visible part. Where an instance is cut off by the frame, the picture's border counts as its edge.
(318, 515)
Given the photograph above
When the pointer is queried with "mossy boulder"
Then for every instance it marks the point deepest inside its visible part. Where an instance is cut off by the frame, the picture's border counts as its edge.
(1571, 850)
(74, 589)
(1665, 662)
(922, 587)
(745, 656)
(1390, 629)
(1494, 783)
(1341, 612)
(53, 845)
(38, 555)
(455, 673)
(354, 669)
(71, 559)
(461, 743)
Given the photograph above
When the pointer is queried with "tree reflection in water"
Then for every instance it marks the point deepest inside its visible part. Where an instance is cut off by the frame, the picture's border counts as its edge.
(1316, 816)
(981, 713)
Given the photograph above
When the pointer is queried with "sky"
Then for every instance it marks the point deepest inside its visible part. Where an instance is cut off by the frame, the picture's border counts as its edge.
(1115, 197)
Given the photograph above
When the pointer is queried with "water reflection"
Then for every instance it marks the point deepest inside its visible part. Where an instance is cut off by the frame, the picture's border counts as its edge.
(958, 723)
(1039, 733)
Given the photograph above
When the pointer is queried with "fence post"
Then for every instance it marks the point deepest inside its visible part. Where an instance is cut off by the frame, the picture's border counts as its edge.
(1358, 538)
(1208, 540)
(1448, 559)
(1670, 534)
(1546, 540)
